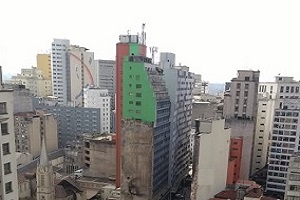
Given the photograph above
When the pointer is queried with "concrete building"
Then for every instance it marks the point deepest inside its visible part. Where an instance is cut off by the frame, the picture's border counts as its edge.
(127, 45)
(145, 131)
(82, 73)
(210, 159)
(8, 164)
(34, 81)
(28, 129)
(99, 98)
(72, 121)
(60, 71)
(292, 189)
(99, 156)
(240, 112)
(201, 87)
(106, 78)
(43, 63)
(179, 82)
(235, 160)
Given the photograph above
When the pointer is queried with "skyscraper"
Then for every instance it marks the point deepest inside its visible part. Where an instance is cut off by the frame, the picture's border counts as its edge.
(128, 45)
(240, 111)
(145, 130)
(60, 69)
(179, 82)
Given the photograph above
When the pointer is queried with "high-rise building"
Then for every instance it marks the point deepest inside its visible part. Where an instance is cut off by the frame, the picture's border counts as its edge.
(292, 189)
(210, 159)
(106, 78)
(28, 129)
(285, 133)
(128, 45)
(60, 70)
(145, 130)
(8, 164)
(99, 98)
(34, 81)
(43, 63)
(240, 112)
(179, 82)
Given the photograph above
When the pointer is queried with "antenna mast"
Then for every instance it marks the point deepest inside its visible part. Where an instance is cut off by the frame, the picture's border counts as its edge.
(143, 34)
(153, 51)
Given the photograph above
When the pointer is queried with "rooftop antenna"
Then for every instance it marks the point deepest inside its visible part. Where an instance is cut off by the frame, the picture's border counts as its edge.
(143, 34)
(153, 51)
(128, 32)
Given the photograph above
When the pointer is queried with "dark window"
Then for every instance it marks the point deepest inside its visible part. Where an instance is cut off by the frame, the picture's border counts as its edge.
(238, 85)
(138, 103)
(138, 94)
(7, 168)
(5, 148)
(281, 89)
(4, 129)
(131, 102)
(8, 187)
(3, 108)
(138, 86)
(246, 86)
(247, 78)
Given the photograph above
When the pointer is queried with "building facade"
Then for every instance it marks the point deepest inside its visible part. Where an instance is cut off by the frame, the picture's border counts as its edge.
(179, 82)
(8, 164)
(145, 130)
(240, 112)
(28, 129)
(210, 161)
(34, 81)
(235, 160)
(43, 63)
(292, 189)
(99, 98)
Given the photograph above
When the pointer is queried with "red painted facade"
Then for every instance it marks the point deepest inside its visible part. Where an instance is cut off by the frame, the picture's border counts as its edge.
(235, 159)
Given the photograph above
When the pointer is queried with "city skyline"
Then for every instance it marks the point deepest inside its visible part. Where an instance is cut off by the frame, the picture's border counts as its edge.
(207, 36)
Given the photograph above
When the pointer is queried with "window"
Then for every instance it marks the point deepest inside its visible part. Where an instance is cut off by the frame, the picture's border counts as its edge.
(138, 86)
(138, 94)
(7, 168)
(237, 101)
(246, 86)
(137, 77)
(238, 93)
(238, 86)
(5, 148)
(246, 93)
(3, 108)
(138, 103)
(131, 102)
(247, 78)
(8, 187)
(4, 129)
(281, 89)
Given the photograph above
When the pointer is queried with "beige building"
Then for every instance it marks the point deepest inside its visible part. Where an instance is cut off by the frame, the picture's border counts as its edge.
(8, 165)
(28, 129)
(240, 112)
(210, 158)
(43, 63)
(34, 81)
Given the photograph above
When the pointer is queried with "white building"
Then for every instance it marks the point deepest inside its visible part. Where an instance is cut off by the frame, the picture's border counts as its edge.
(34, 81)
(211, 151)
(292, 189)
(60, 69)
(8, 165)
(99, 98)
(285, 132)
(179, 82)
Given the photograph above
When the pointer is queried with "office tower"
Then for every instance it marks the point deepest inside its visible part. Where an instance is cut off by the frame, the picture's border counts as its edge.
(43, 63)
(99, 98)
(293, 178)
(45, 176)
(145, 130)
(34, 81)
(285, 133)
(60, 61)
(128, 45)
(179, 83)
(106, 78)
(82, 73)
(72, 121)
(210, 159)
(8, 164)
(240, 111)
(28, 129)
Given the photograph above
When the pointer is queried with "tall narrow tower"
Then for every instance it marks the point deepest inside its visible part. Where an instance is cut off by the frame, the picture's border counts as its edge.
(128, 45)
(45, 176)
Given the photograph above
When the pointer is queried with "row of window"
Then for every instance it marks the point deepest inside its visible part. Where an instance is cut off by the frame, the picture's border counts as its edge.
(289, 89)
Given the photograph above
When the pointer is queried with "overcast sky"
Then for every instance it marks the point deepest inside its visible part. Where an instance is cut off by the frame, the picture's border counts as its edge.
(213, 37)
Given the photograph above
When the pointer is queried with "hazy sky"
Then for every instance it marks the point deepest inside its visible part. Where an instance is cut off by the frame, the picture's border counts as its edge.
(213, 37)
